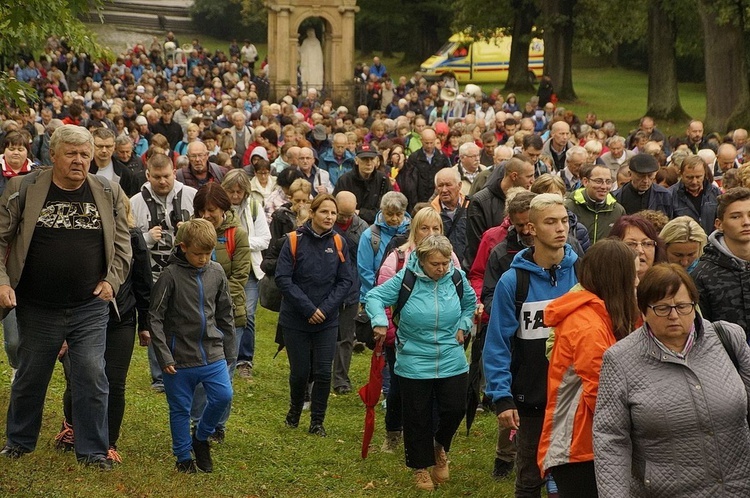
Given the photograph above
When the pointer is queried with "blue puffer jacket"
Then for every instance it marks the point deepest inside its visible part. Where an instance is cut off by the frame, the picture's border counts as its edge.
(316, 280)
(368, 261)
(427, 347)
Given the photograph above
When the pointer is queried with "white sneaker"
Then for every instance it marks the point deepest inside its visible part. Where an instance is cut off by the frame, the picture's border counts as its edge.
(13, 372)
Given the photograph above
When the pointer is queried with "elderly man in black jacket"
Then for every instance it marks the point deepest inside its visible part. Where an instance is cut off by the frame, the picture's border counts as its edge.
(366, 183)
(417, 178)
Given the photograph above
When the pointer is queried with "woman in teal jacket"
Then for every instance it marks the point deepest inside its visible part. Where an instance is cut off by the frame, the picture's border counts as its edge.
(430, 359)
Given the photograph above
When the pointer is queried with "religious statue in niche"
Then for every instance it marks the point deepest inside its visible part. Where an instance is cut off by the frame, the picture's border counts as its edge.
(311, 61)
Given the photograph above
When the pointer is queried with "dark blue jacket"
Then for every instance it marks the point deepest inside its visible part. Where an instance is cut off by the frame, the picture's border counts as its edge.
(660, 199)
(683, 206)
(315, 279)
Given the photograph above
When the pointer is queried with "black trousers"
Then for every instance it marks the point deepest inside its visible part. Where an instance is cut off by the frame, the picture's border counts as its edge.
(575, 480)
(417, 410)
(120, 344)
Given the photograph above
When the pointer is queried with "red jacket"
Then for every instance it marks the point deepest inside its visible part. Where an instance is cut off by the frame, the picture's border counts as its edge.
(491, 237)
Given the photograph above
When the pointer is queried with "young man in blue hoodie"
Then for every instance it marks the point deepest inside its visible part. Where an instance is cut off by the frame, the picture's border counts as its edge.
(515, 364)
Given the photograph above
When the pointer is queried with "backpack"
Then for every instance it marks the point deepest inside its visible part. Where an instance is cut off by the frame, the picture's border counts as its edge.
(407, 286)
(229, 242)
(174, 217)
(293, 237)
(522, 285)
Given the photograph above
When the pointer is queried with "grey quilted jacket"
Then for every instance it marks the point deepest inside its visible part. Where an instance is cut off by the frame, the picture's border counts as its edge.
(666, 427)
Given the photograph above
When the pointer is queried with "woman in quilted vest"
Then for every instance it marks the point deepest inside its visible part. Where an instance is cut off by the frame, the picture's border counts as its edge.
(671, 413)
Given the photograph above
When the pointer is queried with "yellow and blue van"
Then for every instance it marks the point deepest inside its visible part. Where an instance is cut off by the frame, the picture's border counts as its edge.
(481, 60)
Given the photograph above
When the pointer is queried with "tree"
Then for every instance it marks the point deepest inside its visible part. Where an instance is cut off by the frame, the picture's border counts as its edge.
(727, 91)
(525, 16)
(558, 45)
(663, 95)
(25, 27)
(429, 26)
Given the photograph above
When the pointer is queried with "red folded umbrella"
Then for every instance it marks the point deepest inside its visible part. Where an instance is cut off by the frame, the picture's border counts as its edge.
(370, 394)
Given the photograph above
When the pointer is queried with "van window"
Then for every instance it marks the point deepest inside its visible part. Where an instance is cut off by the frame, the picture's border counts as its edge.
(447, 49)
(461, 50)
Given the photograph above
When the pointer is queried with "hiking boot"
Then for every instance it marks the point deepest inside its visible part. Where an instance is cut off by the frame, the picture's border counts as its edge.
(342, 390)
(245, 371)
(423, 480)
(502, 469)
(113, 456)
(202, 452)
(317, 429)
(157, 387)
(99, 462)
(218, 436)
(65, 439)
(359, 347)
(440, 472)
(13, 452)
(392, 441)
(292, 419)
(186, 466)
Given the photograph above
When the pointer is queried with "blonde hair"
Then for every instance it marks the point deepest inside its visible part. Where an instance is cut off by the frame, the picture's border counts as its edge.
(237, 178)
(300, 184)
(684, 229)
(544, 201)
(198, 233)
(434, 244)
(547, 183)
(424, 215)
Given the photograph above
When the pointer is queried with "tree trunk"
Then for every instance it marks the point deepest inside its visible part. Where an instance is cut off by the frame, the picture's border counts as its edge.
(518, 68)
(663, 94)
(558, 46)
(727, 93)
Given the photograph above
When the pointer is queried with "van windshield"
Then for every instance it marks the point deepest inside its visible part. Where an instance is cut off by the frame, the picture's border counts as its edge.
(447, 49)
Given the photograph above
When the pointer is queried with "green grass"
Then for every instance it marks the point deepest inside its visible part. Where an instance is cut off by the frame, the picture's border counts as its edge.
(260, 457)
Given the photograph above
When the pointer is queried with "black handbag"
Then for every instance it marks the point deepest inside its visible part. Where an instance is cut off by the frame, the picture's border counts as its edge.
(363, 329)
(269, 294)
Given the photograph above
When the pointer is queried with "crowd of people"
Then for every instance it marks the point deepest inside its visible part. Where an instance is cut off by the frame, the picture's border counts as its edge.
(600, 275)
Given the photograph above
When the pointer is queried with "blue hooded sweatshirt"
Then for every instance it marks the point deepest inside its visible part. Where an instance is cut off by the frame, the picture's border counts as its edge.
(368, 261)
(427, 347)
(515, 364)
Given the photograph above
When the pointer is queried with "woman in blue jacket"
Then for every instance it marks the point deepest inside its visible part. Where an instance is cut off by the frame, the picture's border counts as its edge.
(314, 278)
(430, 359)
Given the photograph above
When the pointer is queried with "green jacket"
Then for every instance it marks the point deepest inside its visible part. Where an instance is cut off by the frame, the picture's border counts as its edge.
(236, 268)
(597, 222)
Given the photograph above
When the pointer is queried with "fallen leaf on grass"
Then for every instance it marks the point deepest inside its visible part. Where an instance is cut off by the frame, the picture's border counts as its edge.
(370, 485)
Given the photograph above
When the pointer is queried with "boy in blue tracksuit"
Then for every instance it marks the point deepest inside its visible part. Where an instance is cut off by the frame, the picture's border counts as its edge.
(515, 364)
(192, 329)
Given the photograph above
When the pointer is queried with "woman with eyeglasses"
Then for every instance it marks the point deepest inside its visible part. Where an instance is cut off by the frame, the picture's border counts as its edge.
(640, 235)
(671, 411)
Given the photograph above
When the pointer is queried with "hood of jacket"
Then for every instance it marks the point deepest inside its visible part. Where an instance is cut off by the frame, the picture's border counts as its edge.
(563, 306)
(718, 253)
(230, 220)
(493, 182)
(524, 261)
(386, 228)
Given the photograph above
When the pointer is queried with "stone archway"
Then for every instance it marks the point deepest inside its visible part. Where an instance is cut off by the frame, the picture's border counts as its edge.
(284, 19)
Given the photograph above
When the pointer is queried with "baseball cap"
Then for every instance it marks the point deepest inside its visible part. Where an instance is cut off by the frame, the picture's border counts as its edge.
(366, 150)
(96, 106)
(643, 163)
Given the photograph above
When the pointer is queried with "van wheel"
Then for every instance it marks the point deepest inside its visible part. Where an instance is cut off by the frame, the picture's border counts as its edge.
(532, 77)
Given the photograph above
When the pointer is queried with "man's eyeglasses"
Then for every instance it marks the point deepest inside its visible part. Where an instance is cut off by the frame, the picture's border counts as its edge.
(601, 181)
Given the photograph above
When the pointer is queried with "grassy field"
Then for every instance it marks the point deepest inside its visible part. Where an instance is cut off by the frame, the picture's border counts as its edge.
(260, 457)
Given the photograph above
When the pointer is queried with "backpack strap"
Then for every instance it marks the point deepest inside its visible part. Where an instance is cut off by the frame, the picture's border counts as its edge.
(253, 209)
(375, 239)
(407, 286)
(522, 289)
(339, 246)
(229, 244)
(293, 245)
(459, 283)
(723, 336)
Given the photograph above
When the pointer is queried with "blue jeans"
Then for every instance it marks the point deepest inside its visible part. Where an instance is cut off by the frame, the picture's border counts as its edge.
(42, 331)
(10, 338)
(200, 401)
(246, 335)
(180, 388)
(153, 366)
(299, 344)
